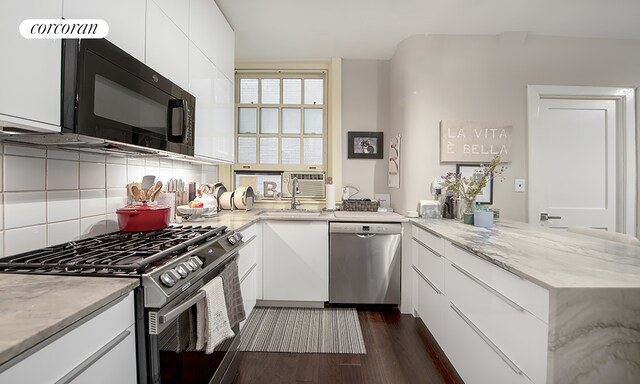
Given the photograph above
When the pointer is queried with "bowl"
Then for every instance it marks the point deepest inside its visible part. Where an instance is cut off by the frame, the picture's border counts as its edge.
(195, 214)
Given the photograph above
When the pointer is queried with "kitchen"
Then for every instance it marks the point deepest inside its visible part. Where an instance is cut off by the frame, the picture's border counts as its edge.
(416, 83)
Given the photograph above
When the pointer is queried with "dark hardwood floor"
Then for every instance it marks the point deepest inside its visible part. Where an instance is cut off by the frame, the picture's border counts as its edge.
(399, 350)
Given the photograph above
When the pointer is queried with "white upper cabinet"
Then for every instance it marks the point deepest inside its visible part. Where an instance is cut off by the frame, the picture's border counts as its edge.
(167, 49)
(126, 20)
(178, 12)
(210, 32)
(30, 75)
(214, 108)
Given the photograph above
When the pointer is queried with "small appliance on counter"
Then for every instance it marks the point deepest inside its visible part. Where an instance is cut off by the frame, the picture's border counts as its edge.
(449, 207)
(429, 209)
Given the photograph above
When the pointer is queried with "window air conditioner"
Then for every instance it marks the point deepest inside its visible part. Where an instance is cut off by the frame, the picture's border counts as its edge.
(311, 184)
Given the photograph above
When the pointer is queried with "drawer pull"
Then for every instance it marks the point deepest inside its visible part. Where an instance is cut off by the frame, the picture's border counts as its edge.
(426, 246)
(426, 280)
(248, 272)
(486, 261)
(495, 348)
(93, 358)
(484, 285)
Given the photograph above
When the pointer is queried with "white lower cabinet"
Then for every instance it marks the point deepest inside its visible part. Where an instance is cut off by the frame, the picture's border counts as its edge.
(491, 324)
(101, 349)
(295, 260)
(475, 360)
(520, 336)
(431, 307)
(248, 268)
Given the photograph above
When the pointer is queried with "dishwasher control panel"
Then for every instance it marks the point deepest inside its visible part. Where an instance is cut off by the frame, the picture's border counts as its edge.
(375, 228)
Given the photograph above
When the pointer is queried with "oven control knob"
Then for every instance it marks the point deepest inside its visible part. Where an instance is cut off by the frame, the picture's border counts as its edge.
(234, 238)
(182, 270)
(192, 266)
(195, 261)
(167, 279)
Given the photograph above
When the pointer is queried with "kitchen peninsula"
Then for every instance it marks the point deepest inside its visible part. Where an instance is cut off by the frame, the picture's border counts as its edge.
(556, 307)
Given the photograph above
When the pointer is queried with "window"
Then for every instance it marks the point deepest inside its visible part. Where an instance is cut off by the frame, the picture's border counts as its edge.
(281, 121)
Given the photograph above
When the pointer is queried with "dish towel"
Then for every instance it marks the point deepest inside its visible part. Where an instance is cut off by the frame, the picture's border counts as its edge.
(232, 294)
(212, 320)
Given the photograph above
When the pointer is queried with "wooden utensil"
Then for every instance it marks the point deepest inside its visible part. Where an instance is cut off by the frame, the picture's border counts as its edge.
(155, 190)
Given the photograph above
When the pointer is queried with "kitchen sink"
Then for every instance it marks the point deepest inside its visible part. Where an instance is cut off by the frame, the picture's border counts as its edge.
(291, 213)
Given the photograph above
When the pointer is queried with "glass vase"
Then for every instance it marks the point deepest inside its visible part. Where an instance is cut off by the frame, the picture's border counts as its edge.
(469, 205)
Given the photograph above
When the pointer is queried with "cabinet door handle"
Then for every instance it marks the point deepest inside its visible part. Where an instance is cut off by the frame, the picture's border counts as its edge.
(486, 286)
(427, 247)
(426, 280)
(89, 361)
(490, 343)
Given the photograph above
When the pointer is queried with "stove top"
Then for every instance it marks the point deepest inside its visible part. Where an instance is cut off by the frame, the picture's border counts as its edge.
(118, 253)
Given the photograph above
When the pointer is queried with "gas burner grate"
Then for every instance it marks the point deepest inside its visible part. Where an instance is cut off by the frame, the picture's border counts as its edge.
(120, 253)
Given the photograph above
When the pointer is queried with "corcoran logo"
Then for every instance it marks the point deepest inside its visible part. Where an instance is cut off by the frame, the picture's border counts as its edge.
(64, 29)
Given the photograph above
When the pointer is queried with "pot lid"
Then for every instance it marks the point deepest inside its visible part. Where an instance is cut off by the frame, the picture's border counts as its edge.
(143, 207)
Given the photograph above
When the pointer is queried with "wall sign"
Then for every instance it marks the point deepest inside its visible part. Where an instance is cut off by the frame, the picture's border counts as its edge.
(474, 142)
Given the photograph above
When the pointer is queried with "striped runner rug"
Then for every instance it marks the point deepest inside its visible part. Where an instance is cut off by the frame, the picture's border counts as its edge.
(303, 330)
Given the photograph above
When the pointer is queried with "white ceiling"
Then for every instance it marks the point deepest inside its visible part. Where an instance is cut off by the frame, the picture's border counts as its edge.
(371, 29)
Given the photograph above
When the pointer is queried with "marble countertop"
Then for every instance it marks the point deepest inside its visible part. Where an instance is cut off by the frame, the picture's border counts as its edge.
(238, 220)
(551, 258)
(35, 307)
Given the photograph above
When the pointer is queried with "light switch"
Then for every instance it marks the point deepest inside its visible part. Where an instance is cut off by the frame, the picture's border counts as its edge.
(519, 185)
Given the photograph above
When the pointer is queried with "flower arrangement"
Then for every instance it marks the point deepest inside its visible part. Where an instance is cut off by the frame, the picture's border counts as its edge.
(468, 188)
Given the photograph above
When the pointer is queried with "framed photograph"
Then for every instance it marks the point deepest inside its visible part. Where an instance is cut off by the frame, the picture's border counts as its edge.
(468, 171)
(364, 145)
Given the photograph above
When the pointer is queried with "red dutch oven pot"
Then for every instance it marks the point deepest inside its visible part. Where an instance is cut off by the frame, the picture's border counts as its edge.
(143, 218)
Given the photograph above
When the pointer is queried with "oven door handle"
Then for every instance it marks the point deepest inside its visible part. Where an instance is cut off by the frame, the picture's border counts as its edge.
(177, 311)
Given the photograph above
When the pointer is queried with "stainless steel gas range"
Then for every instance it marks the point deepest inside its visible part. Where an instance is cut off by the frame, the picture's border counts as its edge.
(172, 265)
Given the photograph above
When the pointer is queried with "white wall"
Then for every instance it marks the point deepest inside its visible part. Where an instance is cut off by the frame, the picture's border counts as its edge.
(365, 107)
(50, 197)
(484, 78)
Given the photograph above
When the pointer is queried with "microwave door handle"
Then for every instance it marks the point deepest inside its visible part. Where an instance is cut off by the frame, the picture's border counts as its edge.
(176, 120)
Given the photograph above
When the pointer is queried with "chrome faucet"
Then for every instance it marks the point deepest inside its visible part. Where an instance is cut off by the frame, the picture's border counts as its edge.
(296, 190)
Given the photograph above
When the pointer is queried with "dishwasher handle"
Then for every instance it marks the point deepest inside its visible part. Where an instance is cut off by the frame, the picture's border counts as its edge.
(365, 235)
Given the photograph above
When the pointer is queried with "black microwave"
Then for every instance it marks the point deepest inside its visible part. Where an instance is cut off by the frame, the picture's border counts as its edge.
(109, 94)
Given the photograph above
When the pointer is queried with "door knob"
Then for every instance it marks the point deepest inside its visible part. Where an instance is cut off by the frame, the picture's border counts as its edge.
(545, 216)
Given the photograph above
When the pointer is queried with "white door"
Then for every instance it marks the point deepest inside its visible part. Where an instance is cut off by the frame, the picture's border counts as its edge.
(578, 161)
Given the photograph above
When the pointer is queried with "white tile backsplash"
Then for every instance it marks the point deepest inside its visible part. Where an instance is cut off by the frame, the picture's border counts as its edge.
(93, 202)
(19, 150)
(63, 205)
(58, 233)
(25, 239)
(91, 157)
(92, 175)
(135, 161)
(93, 226)
(116, 198)
(54, 196)
(135, 173)
(112, 223)
(116, 160)
(116, 176)
(24, 209)
(24, 173)
(62, 155)
(62, 174)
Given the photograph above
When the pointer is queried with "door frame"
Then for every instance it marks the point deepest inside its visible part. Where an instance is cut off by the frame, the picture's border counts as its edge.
(626, 186)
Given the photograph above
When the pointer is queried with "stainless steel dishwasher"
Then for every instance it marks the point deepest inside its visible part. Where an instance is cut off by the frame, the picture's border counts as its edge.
(364, 263)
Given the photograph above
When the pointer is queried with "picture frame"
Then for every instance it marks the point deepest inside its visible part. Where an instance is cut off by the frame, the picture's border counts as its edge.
(468, 170)
(365, 145)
